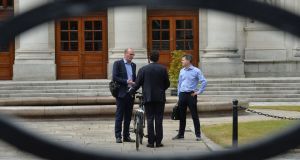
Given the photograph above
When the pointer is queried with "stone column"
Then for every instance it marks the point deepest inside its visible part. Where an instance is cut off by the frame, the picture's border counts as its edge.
(35, 51)
(127, 27)
(219, 52)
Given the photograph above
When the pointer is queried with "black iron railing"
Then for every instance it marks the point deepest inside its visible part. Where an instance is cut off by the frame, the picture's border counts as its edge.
(30, 142)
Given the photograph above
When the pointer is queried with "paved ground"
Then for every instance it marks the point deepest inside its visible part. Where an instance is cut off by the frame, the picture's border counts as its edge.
(97, 133)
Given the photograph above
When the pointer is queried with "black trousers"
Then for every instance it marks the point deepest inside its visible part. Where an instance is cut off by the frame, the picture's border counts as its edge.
(186, 100)
(155, 113)
(124, 111)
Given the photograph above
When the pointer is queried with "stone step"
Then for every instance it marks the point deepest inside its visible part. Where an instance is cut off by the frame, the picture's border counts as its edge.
(256, 80)
(274, 100)
(52, 87)
(105, 82)
(107, 93)
(255, 85)
(100, 90)
(251, 96)
(250, 88)
(87, 94)
(246, 92)
(54, 83)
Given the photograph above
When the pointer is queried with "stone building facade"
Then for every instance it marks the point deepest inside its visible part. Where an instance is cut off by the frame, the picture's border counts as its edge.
(223, 45)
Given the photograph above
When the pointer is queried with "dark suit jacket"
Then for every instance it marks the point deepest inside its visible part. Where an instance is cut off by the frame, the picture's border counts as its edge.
(154, 80)
(119, 75)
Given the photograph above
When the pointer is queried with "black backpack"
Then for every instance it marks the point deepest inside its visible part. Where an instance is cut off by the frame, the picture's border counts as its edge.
(114, 88)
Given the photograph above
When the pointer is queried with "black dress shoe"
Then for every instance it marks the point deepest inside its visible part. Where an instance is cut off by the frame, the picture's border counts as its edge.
(118, 140)
(128, 139)
(150, 145)
(159, 145)
(178, 137)
(198, 138)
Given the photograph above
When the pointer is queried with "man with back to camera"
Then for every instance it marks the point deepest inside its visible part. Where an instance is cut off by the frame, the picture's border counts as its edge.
(154, 80)
(124, 73)
(189, 78)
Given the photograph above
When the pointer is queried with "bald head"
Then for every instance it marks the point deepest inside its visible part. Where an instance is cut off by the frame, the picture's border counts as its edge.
(128, 54)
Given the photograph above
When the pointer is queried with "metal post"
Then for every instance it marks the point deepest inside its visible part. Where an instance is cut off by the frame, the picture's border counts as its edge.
(235, 123)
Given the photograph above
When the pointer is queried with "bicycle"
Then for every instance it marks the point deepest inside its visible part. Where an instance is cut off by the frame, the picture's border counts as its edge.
(139, 121)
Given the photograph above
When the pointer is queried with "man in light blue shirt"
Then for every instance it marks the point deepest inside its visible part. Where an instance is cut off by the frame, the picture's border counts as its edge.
(189, 78)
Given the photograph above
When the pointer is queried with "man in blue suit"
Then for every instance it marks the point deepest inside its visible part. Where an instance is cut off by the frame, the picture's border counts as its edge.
(124, 73)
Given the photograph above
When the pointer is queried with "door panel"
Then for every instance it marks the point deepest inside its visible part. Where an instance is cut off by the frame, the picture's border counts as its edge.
(173, 30)
(81, 50)
(94, 49)
(67, 48)
(7, 54)
(160, 38)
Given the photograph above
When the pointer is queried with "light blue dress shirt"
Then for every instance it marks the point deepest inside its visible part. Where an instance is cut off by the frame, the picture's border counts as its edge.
(128, 70)
(189, 79)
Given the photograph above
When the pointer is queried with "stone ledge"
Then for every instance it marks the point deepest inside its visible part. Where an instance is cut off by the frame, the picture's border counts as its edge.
(51, 101)
(95, 110)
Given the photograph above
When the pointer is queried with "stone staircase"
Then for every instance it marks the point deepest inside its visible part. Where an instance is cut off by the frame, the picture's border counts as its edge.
(76, 93)
(253, 90)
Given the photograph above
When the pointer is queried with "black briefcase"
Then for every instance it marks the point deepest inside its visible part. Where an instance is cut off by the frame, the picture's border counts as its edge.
(175, 113)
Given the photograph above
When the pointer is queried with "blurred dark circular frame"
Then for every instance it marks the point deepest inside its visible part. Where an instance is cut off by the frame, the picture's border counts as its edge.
(30, 142)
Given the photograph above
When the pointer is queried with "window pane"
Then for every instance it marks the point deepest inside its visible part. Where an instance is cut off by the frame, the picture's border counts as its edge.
(165, 24)
(188, 34)
(188, 24)
(73, 25)
(97, 25)
(88, 46)
(156, 35)
(97, 36)
(88, 36)
(64, 46)
(98, 46)
(64, 25)
(179, 35)
(165, 35)
(179, 24)
(165, 45)
(74, 46)
(189, 45)
(180, 45)
(88, 25)
(156, 24)
(155, 45)
(10, 3)
(64, 36)
(73, 36)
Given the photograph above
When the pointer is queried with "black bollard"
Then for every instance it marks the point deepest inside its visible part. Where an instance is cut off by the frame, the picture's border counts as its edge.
(235, 123)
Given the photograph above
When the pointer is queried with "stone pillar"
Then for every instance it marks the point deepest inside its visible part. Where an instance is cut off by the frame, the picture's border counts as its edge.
(127, 27)
(219, 53)
(35, 53)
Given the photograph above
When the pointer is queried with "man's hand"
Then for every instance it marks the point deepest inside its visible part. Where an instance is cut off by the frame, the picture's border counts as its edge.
(131, 91)
(130, 82)
(194, 94)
